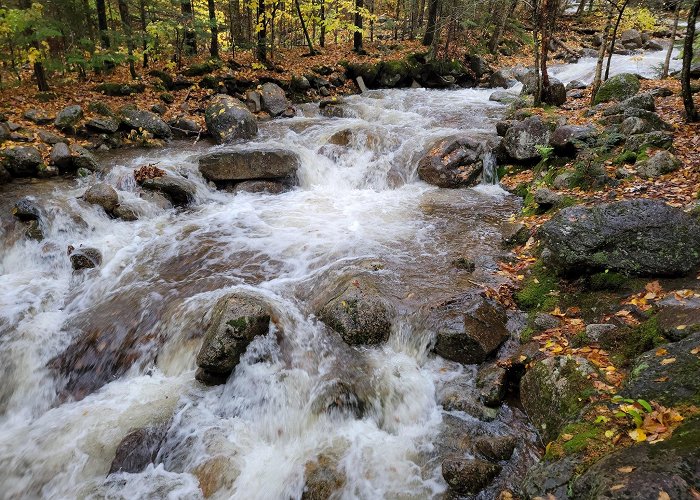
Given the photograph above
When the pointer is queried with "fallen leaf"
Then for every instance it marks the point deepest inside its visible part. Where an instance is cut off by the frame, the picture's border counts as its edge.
(626, 469)
(668, 361)
(616, 487)
(664, 496)
(637, 435)
(661, 351)
(567, 437)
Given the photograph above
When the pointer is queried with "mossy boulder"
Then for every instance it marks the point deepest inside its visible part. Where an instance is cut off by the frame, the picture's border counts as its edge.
(617, 88)
(202, 69)
(661, 163)
(636, 237)
(554, 391)
(145, 120)
(67, 119)
(521, 140)
(228, 119)
(466, 476)
(657, 139)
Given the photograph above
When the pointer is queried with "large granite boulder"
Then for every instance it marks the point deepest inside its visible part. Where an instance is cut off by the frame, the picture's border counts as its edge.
(228, 119)
(522, 138)
(146, 120)
(617, 88)
(273, 100)
(452, 163)
(21, 161)
(242, 165)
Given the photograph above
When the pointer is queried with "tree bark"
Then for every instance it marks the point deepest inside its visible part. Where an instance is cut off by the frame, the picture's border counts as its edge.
(213, 26)
(190, 34)
(431, 28)
(621, 11)
(691, 113)
(42, 82)
(142, 15)
(667, 61)
(102, 23)
(601, 55)
(357, 35)
(126, 24)
(498, 33)
(303, 27)
(261, 46)
(322, 34)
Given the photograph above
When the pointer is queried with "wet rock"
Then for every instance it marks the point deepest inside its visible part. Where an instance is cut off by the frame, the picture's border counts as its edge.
(596, 332)
(139, 119)
(678, 317)
(554, 391)
(323, 478)
(478, 65)
(467, 476)
(576, 85)
(636, 142)
(138, 449)
(631, 39)
(520, 139)
(503, 96)
(84, 258)
(672, 383)
(496, 448)
(68, 118)
(237, 319)
(502, 126)
(82, 158)
(637, 237)
(668, 469)
(229, 119)
(452, 163)
(104, 195)
(215, 473)
(300, 83)
(37, 116)
(185, 127)
(546, 198)
(551, 479)
(178, 190)
(126, 212)
(120, 89)
(5, 176)
(544, 321)
(4, 132)
(468, 328)
(50, 138)
(502, 78)
(252, 100)
(644, 101)
(661, 163)
(572, 138)
(271, 187)
(346, 397)
(273, 100)
(26, 209)
(491, 382)
(231, 166)
(21, 161)
(105, 124)
(554, 93)
(358, 314)
(654, 45)
(617, 88)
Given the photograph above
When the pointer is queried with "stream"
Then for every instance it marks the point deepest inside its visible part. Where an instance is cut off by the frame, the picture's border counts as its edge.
(133, 326)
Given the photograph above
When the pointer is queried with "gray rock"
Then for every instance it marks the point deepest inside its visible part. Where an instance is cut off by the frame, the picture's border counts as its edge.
(138, 449)
(37, 116)
(21, 161)
(358, 313)
(617, 88)
(654, 45)
(551, 480)
(502, 78)
(633, 125)
(271, 187)
(502, 126)
(678, 317)
(159, 108)
(104, 195)
(576, 85)
(637, 237)
(237, 319)
(554, 391)
(595, 332)
(185, 127)
(663, 140)
(554, 93)
(104, 124)
(491, 383)
(249, 164)
(26, 209)
(126, 212)
(546, 198)
(631, 39)
(252, 100)
(68, 118)
(228, 119)
(496, 448)
(82, 158)
(661, 163)
(273, 100)
(452, 163)
(60, 156)
(85, 258)
(643, 101)
(469, 328)
(572, 137)
(520, 139)
(50, 138)
(146, 120)
(503, 96)
(544, 321)
(563, 180)
(178, 190)
(4, 132)
(467, 476)
(652, 118)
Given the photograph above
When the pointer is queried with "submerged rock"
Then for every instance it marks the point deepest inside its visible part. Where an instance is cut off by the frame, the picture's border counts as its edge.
(178, 190)
(323, 478)
(84, 258)
(232, 166)
(82, 158)
(138, 449)
(104, 195)
(229, 119)
(452, 163)
(237, 319)
(468, 476)
(639, 237)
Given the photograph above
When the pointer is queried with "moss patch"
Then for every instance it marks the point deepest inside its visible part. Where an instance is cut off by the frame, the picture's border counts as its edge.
(539, 289)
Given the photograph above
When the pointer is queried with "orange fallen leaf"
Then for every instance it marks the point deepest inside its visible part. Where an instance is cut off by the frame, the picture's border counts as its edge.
(661, 351)
(668, 361)
(626, 469)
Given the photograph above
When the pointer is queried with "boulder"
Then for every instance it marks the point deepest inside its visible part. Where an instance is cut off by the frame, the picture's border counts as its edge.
(661, 163)
(452, 163)
(554, 391)
(631, 39)
(26, 209)
(496, 448)
(37, 116)
(48, 137)
(617, 88)
(138, 449)
(104, 195)
(652, 118)
(644, 101)
(678, 317)
(522, 138)
(178, 190)
(228, 119)
(4, 132)
(60, 156)
(502, 126)
(478, 65)
(467, 476)
(670, 379)
(84, 258)
(663, 470)
(596, 332)
(103, 124)
(469, 328)
(243, 165)
(184, 127)
(82, 158)
(491, 382)
(633, 125)
(572, 138)
(115, 89)
(150, 122)
(554, 93)
(358, 313)
(127, 212)
(663, 140)
(576, 85)
(546, 198)
(236, 320)
(323, 478)
(21, 161)
(638, 237)
(273, 100)
(502, 78)
(68, 118)
(271, 187)
(503, 96)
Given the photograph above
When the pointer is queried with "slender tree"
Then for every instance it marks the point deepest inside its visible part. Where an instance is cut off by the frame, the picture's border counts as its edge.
(669, 52)
(431, 27)
(303, 28)
(691, 113)
(357, 35)
(190, 34)
(126, 25)
(620, 12)
(42, 82)
(601, 53)
(102, 23)
(144, 26)
(213, 26)
(261, 21)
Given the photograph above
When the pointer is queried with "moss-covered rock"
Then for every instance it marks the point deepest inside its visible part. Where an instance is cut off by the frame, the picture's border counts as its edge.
(617, 88)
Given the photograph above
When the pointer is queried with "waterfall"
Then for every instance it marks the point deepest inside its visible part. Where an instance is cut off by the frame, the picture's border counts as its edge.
(489, 175)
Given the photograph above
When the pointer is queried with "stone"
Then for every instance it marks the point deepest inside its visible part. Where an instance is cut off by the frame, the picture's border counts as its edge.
(452, 163)
(159, 108)
(617, 88)
(548, 479)
(120, 89)
(637, 237)
(478, 65)
(544, 321)
(554, 93)
(496, 448)
(596, 332)
(671, 384)
(146, 120)
(663, 140)
(252, 100)
(249, 164)
(678, 317)
(104, 195)
(467, 476)
(85, 258)
(469, 328)
(237, 319)
(522, 138)
(502, 78)
(26, 209)
(106, 124)
(126, 212)
(228, 119)
(322, 478)
(654, 120)
(502, 126)
(563, 180)
(546, 198)
(572, 138)
(491, 382)
(633, 125)
(661, 163)
(503, 96)
(273, 100)
(554, 391)
(271, 187)
(50, 138)
(576, 85)
(4, 132)
(184, 127)
(37, 116)
(68, 118)
(21, 161)
(358, 313)
(631, 39)
(300, 83)
(138, 449)
(82, 158)
(178, 190)
(644, 100)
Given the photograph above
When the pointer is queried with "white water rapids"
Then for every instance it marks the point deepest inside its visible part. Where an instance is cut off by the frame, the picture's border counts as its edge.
(357, 209)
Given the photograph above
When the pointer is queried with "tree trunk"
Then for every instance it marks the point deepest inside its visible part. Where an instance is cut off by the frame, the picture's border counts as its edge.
(142, 14)
(667, 61)
(190, 34)
(88, 20)
(322, 34)
(431, 28)
(536, 38)
(303, 28)
(39, 71)
(357, 35)
(214, 27)
(102, 23)
(621, 11)
(498, 32)
(581, 8)
(691, 114)
(261, 46)
(126, 24)
(601, 55)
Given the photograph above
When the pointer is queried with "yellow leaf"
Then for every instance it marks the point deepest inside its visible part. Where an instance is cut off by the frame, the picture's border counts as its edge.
(668, 361)
(626, 469)
(661, 351)
(695, 350)
(681, 327)
(567, 437)
(637, 435)
(664, 496)
(617, 487)
(609, 434)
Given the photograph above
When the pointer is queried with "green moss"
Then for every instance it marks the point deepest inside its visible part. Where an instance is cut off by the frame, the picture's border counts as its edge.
(538, 288)
(575, 438)
(588, 174)
(238, 324)
(644, 337)
(607, 281)
(203, 68)
(625, 157)
(580, 339)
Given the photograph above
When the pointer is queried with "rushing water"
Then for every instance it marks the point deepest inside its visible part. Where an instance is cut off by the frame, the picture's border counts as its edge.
(135, 323)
